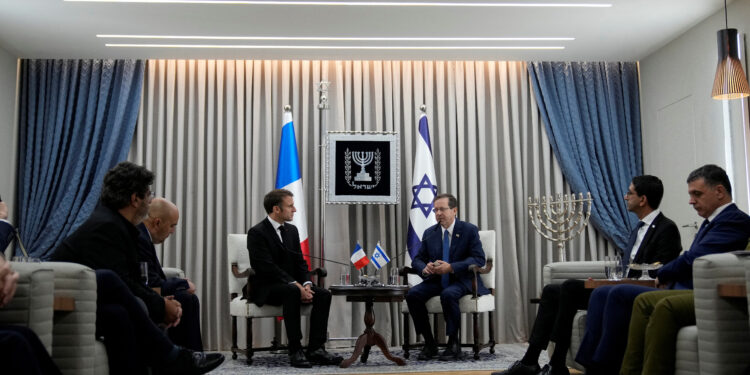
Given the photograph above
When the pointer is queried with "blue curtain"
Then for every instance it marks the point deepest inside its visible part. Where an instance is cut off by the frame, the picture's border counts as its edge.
(76, 121)
(592, 116)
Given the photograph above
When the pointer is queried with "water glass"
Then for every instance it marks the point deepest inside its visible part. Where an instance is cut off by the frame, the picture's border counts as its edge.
(608, 267)
(393, 276)
(617, 271)
(345, 276)
(144, 272)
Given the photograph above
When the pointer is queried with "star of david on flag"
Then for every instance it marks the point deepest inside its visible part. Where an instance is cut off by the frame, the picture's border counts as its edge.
(379, 257)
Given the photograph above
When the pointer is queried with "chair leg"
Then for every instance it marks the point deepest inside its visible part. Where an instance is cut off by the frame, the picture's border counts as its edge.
(234, 337)
(491, 343)
(276, 342)
(249, 344)
(406, 336)
(475, 320)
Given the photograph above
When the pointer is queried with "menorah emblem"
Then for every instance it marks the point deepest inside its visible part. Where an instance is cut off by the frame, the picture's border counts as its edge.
(362, 158)
(564, 217)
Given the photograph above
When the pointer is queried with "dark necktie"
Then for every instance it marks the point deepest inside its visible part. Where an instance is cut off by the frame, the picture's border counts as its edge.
(282, 231)
(701, 230)
(446, 248)
(631, 243)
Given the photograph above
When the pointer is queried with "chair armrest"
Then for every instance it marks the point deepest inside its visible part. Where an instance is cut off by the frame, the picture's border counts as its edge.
(249, 274)
(32, 305)
(557, 272)
(321, 273)
(172, 272)
(478, 271)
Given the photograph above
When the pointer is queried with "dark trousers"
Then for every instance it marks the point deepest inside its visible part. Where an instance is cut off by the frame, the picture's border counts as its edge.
(417, 297)
(22, 353)
(288, 297)
(557, 308)
(188, 333)
(132, 340)
(607, 322)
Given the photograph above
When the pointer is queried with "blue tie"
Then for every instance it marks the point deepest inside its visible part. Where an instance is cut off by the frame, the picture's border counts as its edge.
(446, 247)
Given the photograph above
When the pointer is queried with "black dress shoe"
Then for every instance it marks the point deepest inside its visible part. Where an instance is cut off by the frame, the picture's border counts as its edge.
(518, 368)
(428, 352)
(550, 370)
(189, 362)
(321, 357)
(297, 359)
(452, 352)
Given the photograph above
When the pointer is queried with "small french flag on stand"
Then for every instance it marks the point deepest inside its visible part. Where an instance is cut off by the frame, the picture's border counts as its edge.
(379, 257)
(359, 257)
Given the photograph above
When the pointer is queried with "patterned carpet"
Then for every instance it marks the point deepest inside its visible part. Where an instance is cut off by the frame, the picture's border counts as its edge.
(267, 363)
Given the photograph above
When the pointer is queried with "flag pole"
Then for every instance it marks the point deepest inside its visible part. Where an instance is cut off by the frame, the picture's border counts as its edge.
(323, 108)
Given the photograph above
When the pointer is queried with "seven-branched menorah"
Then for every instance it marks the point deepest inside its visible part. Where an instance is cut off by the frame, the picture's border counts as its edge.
(564, 217)
(362, 158)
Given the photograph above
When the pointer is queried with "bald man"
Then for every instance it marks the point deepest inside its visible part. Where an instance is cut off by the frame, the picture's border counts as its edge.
(160, 223)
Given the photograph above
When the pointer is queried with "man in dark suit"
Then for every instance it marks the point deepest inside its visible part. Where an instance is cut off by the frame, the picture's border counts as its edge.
(161, 222)
(282, 279)
(6, 228)
(725, 228)
(107, 242)
(448, 249)
(655, 239)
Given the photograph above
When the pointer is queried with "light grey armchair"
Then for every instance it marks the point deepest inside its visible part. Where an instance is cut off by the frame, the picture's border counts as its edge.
(32, 305)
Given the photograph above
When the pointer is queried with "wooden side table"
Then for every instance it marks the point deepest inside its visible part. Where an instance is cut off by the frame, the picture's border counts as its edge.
(369, 338)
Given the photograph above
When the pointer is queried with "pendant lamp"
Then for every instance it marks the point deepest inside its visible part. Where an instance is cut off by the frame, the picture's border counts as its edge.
(730, 81)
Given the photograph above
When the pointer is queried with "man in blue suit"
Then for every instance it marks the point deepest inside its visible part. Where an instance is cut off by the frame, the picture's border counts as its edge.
(724, 229)
(448, 249)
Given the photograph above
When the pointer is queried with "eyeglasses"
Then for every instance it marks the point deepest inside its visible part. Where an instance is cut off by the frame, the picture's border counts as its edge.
(440, 209)
(629, 193)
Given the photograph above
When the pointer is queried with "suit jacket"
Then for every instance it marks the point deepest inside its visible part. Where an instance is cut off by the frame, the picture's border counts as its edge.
(156, 277)
(660, 244)
(6, 234)
(728, 231)
(465, 250)
(272, 261)
(106, 240)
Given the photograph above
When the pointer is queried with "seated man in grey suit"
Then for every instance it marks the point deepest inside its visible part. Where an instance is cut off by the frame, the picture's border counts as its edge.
(160, 223)
(448, 249)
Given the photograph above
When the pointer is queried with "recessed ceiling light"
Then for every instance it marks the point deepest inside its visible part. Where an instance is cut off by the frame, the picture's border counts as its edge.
(248, 46)
(360, 3)
(325, 38)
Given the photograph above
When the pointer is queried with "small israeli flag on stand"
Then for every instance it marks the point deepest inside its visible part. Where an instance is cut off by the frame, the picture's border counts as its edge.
(379, 257)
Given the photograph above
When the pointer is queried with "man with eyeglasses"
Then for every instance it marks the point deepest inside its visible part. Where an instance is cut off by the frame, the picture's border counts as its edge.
(107, 242)
(655, 239)
(448, 249)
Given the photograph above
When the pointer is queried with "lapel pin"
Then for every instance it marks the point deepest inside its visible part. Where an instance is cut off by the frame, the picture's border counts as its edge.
(458, 235)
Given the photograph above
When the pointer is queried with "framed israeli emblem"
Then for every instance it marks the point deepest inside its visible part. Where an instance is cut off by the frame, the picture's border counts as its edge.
(363, 168)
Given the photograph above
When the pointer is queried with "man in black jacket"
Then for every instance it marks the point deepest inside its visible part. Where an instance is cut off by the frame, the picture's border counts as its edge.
(655, 239)
(282, 279)
(161, 222)
(107, 242)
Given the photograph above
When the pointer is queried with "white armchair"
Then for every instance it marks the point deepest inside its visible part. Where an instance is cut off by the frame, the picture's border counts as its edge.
(241, 273)
(468, 304)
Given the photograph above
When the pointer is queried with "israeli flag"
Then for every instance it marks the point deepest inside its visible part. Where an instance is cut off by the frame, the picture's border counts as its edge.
(379, 257)
(423, 190)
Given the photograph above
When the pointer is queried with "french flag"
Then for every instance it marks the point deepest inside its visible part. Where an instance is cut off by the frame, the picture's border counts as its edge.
(288, 177)
(423, 191)
(359, 257)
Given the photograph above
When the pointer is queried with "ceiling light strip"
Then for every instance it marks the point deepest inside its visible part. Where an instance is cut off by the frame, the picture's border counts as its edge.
(133, 45)
(359, 3)
(325, 38)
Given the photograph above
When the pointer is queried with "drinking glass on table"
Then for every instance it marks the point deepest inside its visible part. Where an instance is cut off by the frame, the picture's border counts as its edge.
(617, 269)
(393, 276)
(345, 276)
(608, 267)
